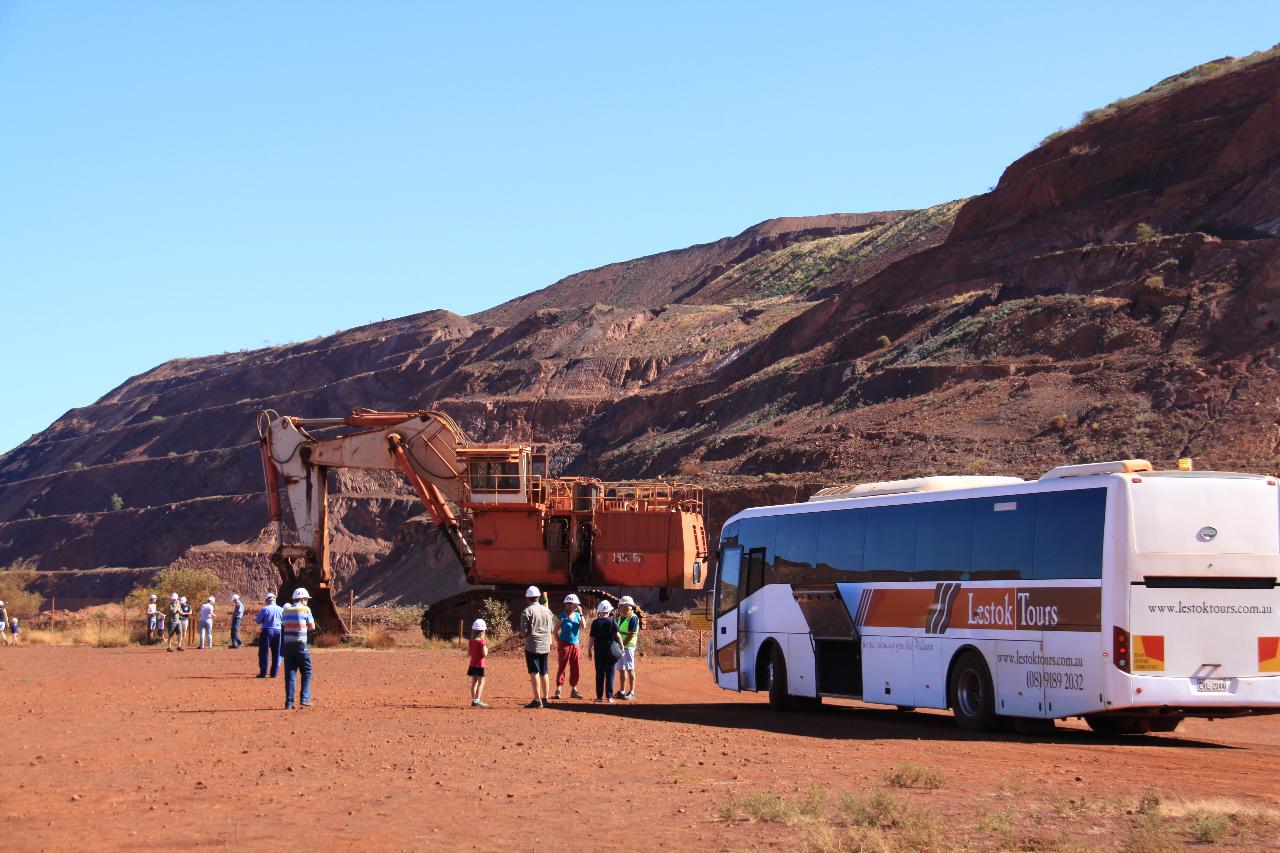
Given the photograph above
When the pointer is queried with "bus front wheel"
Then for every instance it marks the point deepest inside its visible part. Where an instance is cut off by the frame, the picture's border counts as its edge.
(972, 694)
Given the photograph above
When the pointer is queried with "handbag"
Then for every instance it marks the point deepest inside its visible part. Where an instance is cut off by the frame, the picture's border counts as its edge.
(616, 650)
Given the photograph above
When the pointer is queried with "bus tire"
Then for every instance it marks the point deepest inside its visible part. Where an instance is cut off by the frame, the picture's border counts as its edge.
(972, 694)
(779, 699)
(1111, 726)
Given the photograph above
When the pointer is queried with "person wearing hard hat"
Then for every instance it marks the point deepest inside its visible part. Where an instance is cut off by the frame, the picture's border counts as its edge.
(184, 618)
(296, 622)
(629, 628)
(570, 618)
(4, 621)
(604, 639)
(206, 624)
(153, 613)
(174, 618)
(237, 614)
(536, 624)
(477, 653)
(269, 619)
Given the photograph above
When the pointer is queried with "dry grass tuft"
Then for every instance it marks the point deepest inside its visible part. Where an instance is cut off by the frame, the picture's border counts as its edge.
(909, 775)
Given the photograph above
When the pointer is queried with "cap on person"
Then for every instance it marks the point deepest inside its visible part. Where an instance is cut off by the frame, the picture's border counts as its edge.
(173, 596)
(182, 600)
(626, 601)
(571, 599)
(301, 594)
(479, 625)
(604, 607)
(271, 596)
(235, 596)
(532, 592)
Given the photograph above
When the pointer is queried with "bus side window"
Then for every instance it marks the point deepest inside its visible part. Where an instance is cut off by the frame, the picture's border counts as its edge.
(755, 572)
(891, 543)
(1069, 533)
(1004, 537)
(727, 580)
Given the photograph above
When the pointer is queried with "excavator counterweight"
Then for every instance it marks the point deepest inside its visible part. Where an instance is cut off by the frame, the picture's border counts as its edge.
(507, 520)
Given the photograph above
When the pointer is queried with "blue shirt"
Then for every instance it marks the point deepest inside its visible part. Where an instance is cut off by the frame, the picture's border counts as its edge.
(569, 626)
(270, 617)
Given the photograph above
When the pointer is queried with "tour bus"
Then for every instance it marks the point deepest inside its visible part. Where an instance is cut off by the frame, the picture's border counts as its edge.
(1128, 596)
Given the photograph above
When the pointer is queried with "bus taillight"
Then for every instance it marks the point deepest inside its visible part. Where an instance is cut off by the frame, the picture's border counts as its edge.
(1120, 648)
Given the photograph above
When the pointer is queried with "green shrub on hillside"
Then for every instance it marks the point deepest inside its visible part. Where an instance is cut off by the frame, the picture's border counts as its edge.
(14, 580)
(195, 584)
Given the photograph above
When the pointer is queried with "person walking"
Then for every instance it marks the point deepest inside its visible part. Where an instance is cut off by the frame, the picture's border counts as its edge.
(269, 619)
(604, 638)
(153, 613)
(570, 618)
(297, 620)
(629, 628)
(184, 619)
(477, 653)
(206, 624)
(174, 618)
(237, 614)
(536, 623)
(4, 622)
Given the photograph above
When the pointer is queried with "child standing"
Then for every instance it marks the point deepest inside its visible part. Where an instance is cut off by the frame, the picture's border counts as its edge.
(15, 633)
(477, 651)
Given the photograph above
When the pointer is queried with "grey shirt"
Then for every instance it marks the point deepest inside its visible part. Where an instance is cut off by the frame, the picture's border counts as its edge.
(537, 623)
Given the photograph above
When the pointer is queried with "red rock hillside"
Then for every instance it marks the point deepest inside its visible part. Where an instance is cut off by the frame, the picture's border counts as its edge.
(1117, 294)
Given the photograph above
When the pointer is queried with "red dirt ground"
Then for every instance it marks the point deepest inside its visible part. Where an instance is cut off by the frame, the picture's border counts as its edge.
(114, 748)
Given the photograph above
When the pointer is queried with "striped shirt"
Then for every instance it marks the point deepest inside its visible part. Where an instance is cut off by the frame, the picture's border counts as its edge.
(297, 619)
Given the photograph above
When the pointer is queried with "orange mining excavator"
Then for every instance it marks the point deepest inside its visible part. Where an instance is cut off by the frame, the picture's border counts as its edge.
(509, 522)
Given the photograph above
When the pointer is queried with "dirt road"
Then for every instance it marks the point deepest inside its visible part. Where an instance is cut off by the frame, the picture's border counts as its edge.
(126, 746)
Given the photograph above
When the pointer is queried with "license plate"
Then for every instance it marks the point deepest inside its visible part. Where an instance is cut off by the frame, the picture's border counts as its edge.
(1213, 685)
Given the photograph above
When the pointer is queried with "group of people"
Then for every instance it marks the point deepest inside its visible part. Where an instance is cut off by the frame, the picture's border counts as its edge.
(612, 643)
(10, 630)
(176, 621)
(282, 637)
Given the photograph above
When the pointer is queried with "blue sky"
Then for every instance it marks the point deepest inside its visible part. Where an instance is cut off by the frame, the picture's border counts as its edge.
(179, 179)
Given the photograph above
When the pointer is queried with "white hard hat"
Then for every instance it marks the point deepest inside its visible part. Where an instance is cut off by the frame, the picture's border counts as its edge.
(153, 598)
(271, 596)
(300, 593)
(2, 603)
(173, 596)
(532, 592)
(628, 600)
(183, 600)
(235, 596)
(478, 625)
(571, 599)
(604, 607)
(211, 598)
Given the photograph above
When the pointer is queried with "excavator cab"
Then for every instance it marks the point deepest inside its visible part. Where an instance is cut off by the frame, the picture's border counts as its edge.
(503, 474)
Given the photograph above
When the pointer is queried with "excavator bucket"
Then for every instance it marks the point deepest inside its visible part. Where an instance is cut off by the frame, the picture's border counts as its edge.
(323, 608)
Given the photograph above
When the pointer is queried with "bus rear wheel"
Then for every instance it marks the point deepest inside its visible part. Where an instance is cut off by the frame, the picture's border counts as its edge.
(972, 694)
(1105, 725)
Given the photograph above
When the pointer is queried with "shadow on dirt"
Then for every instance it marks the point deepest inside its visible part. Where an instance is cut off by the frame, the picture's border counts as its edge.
(845, 723)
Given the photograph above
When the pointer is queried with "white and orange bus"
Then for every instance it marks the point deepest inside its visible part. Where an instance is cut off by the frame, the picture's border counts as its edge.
(1127, 596)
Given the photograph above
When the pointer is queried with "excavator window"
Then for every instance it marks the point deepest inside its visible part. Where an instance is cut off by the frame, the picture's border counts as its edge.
(490, 476)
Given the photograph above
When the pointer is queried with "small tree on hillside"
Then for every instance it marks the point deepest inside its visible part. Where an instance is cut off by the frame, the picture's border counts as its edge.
(117, 502)
(195, 584)
(14, 580)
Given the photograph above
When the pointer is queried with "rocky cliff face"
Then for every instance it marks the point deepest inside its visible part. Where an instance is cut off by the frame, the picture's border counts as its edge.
(1117, 294)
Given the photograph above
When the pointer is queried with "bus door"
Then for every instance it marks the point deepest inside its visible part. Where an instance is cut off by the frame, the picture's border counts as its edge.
(725, 642)
(752, 578)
